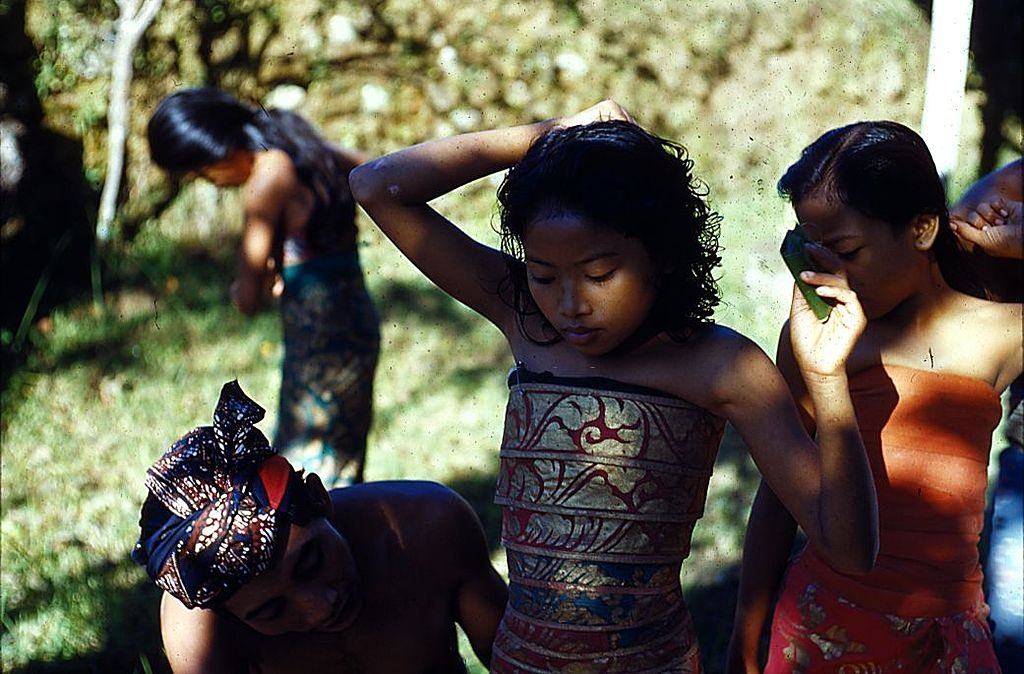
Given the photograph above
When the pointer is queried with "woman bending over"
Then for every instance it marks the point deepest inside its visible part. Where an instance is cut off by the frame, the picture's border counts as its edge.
(299, 220)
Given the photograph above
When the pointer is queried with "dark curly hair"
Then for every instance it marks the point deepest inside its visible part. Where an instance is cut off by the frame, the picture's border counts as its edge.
(617, 175)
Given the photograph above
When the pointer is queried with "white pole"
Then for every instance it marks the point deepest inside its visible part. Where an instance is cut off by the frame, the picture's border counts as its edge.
(944, 87)
(131, 24)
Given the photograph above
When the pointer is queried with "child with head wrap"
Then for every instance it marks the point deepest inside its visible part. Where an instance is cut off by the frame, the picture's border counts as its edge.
(263, 568)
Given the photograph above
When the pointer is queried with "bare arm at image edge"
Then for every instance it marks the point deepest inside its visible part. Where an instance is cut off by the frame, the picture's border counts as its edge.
(195, 641)
(989, 214)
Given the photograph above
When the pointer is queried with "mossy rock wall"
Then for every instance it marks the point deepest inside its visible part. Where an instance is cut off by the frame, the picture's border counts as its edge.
(741, 84)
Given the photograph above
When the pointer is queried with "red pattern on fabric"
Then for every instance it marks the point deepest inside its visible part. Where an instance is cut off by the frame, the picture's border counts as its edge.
(599, 492)
(816, 631)
(275, 473)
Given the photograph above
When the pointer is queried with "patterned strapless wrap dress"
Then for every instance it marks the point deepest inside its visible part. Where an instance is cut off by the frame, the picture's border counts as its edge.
(600, 484)
(331, 344)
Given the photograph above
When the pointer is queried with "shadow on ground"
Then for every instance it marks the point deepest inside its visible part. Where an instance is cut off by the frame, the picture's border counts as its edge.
(129, 617)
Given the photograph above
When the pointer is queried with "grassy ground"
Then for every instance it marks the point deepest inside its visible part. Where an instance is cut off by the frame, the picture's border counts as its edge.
(104, 394)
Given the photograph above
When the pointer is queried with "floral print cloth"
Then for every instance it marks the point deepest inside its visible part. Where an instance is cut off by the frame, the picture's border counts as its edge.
(815, 630)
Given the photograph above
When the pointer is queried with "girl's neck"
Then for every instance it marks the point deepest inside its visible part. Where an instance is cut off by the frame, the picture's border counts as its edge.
(930, 301)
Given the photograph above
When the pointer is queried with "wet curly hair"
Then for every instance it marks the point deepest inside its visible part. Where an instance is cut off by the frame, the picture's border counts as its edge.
(618, 175)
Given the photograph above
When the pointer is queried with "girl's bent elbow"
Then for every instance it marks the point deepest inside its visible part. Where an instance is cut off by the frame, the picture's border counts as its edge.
(364, 185)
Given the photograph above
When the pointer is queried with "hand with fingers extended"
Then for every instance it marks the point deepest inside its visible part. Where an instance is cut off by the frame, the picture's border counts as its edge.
(604, 111)
(821, 348)
(993, 226)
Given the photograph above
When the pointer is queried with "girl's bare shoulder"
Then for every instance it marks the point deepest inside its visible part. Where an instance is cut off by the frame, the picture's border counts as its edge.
(720, 346)
(273, 171)
(708, 367)
(985, 339)
(986, 319)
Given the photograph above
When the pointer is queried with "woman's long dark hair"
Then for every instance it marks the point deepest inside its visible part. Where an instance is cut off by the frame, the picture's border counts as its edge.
(884, 171)
(619, 176)
(194, 128)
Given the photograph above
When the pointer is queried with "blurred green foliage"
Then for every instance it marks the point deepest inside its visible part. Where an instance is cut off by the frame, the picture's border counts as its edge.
(740, 83)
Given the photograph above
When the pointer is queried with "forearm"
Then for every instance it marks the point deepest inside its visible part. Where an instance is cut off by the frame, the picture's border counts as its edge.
(766, 547)
(481, 603)
(247, 295)
(249, 287)
(847, 505)
(418, 174)
(252, 278)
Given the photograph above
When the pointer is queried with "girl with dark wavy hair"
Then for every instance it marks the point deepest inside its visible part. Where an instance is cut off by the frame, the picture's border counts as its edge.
(926, 379)
(299, 221)
(604, 290)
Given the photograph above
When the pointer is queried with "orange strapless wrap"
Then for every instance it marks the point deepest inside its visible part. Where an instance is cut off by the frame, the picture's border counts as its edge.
(928, 436)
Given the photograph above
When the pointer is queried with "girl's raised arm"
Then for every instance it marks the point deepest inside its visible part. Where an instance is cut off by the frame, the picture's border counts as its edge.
(395, 190)
(767, 543)
(828, 488)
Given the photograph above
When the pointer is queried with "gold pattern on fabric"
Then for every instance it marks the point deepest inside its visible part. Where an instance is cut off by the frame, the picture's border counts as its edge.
(600, 492)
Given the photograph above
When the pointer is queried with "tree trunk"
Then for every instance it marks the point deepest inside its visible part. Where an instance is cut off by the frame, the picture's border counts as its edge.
(132, 22)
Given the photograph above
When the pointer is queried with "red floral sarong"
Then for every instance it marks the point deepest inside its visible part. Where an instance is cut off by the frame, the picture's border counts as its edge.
(816, 630)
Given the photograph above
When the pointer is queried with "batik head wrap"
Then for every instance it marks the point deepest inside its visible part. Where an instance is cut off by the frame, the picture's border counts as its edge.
(218, 508)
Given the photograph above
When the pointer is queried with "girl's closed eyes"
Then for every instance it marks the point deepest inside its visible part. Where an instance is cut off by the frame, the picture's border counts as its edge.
(601, 277)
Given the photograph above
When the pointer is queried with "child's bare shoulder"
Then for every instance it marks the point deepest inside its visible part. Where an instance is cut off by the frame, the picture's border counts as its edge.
(985, 318)
(408, 506)
(722, 346)
(713, 364)
(396, 495)
(437, 529)
(984, 337)
(274, 172)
